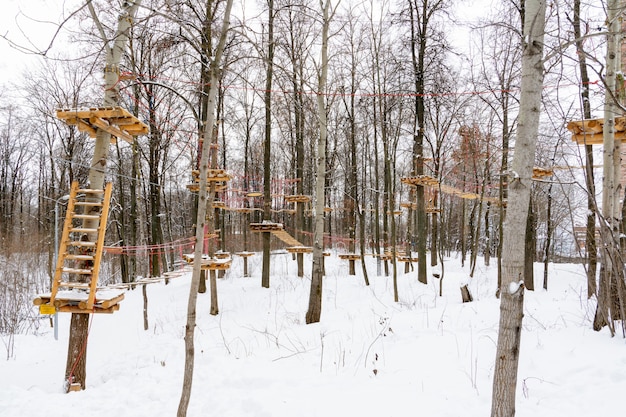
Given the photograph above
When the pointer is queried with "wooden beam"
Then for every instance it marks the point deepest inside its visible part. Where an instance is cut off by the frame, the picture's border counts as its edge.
(595, 139)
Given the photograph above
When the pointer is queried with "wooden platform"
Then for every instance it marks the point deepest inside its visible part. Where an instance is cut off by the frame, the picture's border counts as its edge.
(196, 187)
(420, 180)
(214, 264)
(299, 249)
(266, 227)
(114, 120)
(350, 256)
(213, 175)
(591, 131)
(297, 198)
(75, 301)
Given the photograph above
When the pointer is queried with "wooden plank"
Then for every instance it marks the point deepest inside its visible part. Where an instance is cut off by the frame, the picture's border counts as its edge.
(77, 309)
(297, 198)
(266, 227)
(595, 139)
(286, 237)
(349, 256)
(299, 249)
(115, 120)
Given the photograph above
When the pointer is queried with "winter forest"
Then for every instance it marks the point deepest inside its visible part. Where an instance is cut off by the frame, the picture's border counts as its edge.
(387, 138)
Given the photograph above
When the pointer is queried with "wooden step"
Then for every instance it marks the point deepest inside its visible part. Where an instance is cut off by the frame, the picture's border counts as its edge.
(86, 216)
(79, 271)
(89, 191)
(79, 285)
(83, 230)
(79, 257)
(88, 203)
(82, 244)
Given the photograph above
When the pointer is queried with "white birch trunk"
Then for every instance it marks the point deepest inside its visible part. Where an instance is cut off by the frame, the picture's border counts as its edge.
(190, 326)
(315, 297)
(512, 295)
(76, 366)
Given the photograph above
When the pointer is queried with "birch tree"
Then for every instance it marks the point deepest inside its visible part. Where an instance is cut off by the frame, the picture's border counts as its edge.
(76, 366)
(203, 200)
(512, 295)
(315, 297)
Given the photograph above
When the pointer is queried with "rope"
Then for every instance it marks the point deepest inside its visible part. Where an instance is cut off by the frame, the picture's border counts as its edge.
(70, 377)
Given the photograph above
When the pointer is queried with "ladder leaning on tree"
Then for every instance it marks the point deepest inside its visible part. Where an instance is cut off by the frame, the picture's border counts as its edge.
(75, 283)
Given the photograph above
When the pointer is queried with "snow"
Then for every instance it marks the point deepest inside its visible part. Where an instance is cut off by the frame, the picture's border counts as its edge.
(514, 286)
(369, 356)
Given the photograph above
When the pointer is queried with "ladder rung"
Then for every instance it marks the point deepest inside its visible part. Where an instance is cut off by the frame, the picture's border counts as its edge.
(74, 285)
(78, 271)
(86, 216)
(83, 230)
(82, 243)
(89, 203)
(79, 257)
(89, 191)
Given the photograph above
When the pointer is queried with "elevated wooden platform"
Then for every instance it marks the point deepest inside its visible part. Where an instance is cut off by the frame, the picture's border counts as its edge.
(277, 230)
(591, 131)
(297, 198)
(266, 227)
(76, 301)
(420, 180)
(299, 249)
(349, 256)
(207, 263)
(114, 120)
(213, 175)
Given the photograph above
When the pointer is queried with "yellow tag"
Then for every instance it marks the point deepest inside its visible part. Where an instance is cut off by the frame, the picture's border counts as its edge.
(47, 309)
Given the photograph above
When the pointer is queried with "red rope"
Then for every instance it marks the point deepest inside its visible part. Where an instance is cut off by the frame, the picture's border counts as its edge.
(70, 377)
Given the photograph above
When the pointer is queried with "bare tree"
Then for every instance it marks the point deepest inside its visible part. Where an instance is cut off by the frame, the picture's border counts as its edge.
(76, 367)
(204, 199)
(315, 297)
(520, 177)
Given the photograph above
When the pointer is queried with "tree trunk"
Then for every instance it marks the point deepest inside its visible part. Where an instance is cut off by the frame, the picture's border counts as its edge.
(512, 294)
(315, 297)
(418, 54)
(200, 221)
(590, 238)
(611, 273)
(267, 195)
(75, 369)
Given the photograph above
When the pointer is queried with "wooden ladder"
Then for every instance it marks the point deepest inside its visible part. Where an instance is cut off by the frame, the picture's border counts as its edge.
(80, 248)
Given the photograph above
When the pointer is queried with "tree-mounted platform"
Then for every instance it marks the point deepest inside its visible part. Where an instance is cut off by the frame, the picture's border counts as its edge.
(350, 256)
(266, 227)
(114, 120)
(539, 172)
(212, 175)
(217, 177)
(420, 180)
(591, 131)
(299, 249)
(277, 230)
(210, 263)
(219, 205)
(297, 198)
(106, 300)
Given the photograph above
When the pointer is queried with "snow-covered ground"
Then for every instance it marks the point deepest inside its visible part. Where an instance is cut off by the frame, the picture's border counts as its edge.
(426, 355)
